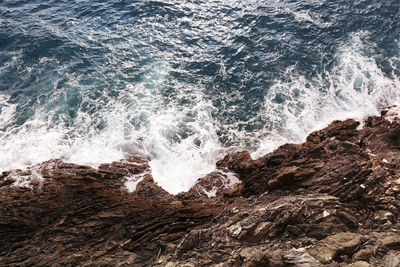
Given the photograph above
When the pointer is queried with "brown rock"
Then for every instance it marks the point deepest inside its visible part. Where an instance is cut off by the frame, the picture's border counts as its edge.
(331, 200)
(359, 264)
(392, 242)
(334, 246)
(392, 260)
(363, 255)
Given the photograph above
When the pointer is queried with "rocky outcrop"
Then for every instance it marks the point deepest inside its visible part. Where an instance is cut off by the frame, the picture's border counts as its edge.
(331, 201)
(77, 215)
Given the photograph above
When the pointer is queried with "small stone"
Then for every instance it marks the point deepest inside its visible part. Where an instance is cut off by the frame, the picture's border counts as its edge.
(383, 216)
(235, 230)
(392, 260)
(362, 255)
(235, 190)
(395, 189)
(190, 241)
(359, 264)
(306, 172)
(389, 192)
(261, 227)
(299, 258)
(225, 264)
(392, 242)
(323, 215)
(273, 183)
(253, 256)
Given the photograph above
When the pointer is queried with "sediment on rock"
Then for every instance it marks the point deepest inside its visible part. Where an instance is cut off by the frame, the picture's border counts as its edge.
(331, 201)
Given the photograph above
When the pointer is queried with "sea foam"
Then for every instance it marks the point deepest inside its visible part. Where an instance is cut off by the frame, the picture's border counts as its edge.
(180, 135)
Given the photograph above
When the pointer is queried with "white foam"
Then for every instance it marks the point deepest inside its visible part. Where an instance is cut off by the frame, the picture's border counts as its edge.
(356, 88)
(7, 110)
(227, 180)
(182, 140)
(133, 180)
(393, 113)
(177, 163)
(26, 179)
(307, 16)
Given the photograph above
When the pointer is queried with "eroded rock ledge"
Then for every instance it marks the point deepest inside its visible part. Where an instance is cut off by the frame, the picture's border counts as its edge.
(331, 201)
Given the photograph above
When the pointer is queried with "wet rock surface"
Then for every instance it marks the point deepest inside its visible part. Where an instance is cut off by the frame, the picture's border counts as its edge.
(331, 201)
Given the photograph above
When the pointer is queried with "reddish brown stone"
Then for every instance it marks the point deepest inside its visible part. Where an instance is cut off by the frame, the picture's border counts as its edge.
(342, 182)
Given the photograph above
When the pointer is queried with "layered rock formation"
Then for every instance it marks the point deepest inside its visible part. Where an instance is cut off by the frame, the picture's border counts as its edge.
(331, 201)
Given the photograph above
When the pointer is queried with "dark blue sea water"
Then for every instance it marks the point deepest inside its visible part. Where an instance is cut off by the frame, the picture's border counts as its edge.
(183, 82)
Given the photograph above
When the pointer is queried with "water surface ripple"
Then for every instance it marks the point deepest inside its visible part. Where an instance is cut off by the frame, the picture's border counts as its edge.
(184, 82)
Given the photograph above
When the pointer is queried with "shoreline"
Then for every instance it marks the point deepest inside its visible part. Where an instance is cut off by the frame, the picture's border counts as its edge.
(332, 200)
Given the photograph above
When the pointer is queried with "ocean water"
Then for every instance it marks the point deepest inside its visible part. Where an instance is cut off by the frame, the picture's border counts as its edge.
(184, 82)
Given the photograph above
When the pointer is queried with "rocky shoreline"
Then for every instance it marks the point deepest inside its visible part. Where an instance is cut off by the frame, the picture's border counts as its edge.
(331, 201)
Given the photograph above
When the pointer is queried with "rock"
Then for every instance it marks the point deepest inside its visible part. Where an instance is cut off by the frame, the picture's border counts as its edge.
(383, 216)
(192, 239)
(334, 246)
(333, 161)
(254, 256)
(392, 242)
(299, 258)
(359, 264)
(332, 200)
(79, 209)
(363, 255)
(392, 260)
(216, 184)
(234, 191)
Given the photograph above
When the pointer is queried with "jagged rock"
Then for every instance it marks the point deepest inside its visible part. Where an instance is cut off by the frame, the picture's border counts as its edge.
(217, 183)
(392, 242)
(392, 260)
(254, 256)
(338, 160)
(333, 247)
(79, 209)
(383, 216)
(300, 257)
(359, 264)
(363, 255)
(333, 200)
